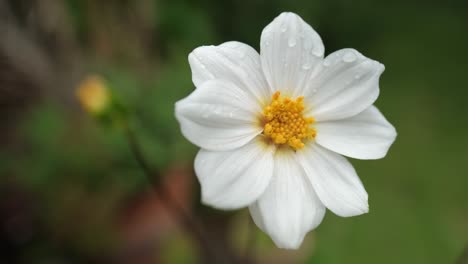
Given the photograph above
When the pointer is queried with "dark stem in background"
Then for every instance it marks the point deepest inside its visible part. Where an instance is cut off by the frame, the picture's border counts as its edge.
(463, 259)
(191, 225)
(251, 238)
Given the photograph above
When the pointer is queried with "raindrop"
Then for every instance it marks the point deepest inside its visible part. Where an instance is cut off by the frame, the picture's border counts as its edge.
(308, 44)
(199, 58)
(306, 66)
(284, 28)
(349, 57)
(357, 76)
(317, 52)
(292, 42)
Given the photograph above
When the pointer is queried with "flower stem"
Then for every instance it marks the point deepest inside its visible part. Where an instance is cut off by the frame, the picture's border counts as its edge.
(463, 259)
(251, 239)
(188, 222)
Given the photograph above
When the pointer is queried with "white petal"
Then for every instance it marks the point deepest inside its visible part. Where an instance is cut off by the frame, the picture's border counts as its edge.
(233, 61)
(334, 180)
(289, 208)
(218, 116)
(367, 135)
(291, 52)
(234, 179)
(347, 84)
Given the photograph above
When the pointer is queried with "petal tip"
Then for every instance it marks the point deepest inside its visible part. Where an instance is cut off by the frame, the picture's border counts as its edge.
(289, 13)
(380, 67)
(289, 244)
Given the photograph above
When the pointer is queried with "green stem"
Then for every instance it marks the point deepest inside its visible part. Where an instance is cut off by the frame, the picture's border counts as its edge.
(251, 238)
(191, 225)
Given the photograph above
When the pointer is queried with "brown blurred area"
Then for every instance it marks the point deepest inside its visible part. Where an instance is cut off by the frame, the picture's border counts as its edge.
(72, 192)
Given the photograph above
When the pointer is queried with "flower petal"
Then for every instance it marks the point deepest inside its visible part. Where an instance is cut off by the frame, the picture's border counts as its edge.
(334, 180)
(347, 84)
(289, 208)
(291, 52)
(234, 179)
(218, 116)
(232, 61)
(367, 135)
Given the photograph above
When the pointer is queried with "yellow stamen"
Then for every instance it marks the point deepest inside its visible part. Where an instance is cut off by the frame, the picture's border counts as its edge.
(285, 122)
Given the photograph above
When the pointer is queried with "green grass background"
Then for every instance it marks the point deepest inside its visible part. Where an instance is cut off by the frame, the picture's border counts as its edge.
(418, 194)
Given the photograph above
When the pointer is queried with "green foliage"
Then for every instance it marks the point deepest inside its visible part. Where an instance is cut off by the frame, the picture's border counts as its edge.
(417, 194)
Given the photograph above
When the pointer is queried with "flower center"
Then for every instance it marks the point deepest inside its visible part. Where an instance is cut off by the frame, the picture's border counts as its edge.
(285, 122)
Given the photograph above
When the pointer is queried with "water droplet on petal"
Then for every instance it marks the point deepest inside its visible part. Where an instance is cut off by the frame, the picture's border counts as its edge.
(349, 57)
(284, 28)
(306, 66)
(317, 52)
(292, 42)
(308, 44)
(357, 76)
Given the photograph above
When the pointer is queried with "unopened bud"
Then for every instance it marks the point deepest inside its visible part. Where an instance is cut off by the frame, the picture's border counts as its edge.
(94, 95)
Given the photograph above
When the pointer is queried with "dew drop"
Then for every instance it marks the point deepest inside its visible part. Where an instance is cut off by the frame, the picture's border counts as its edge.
(284, 28)
(306, 66)
(317, 52)
(292, 42)
(349, 57)
(357, 76)
(308, 45)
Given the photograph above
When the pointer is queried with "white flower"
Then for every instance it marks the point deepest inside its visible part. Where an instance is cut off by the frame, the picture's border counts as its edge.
(271, 128)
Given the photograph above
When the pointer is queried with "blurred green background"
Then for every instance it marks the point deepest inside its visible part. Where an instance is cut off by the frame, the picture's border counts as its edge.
(71, 192)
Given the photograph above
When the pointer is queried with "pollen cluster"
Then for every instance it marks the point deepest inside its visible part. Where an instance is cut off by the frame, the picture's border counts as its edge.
(285, 122)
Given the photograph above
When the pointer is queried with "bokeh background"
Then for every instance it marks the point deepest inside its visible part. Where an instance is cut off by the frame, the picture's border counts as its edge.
(71, 191)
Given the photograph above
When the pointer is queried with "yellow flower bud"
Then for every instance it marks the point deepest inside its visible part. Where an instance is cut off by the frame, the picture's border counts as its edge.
(93, 94)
